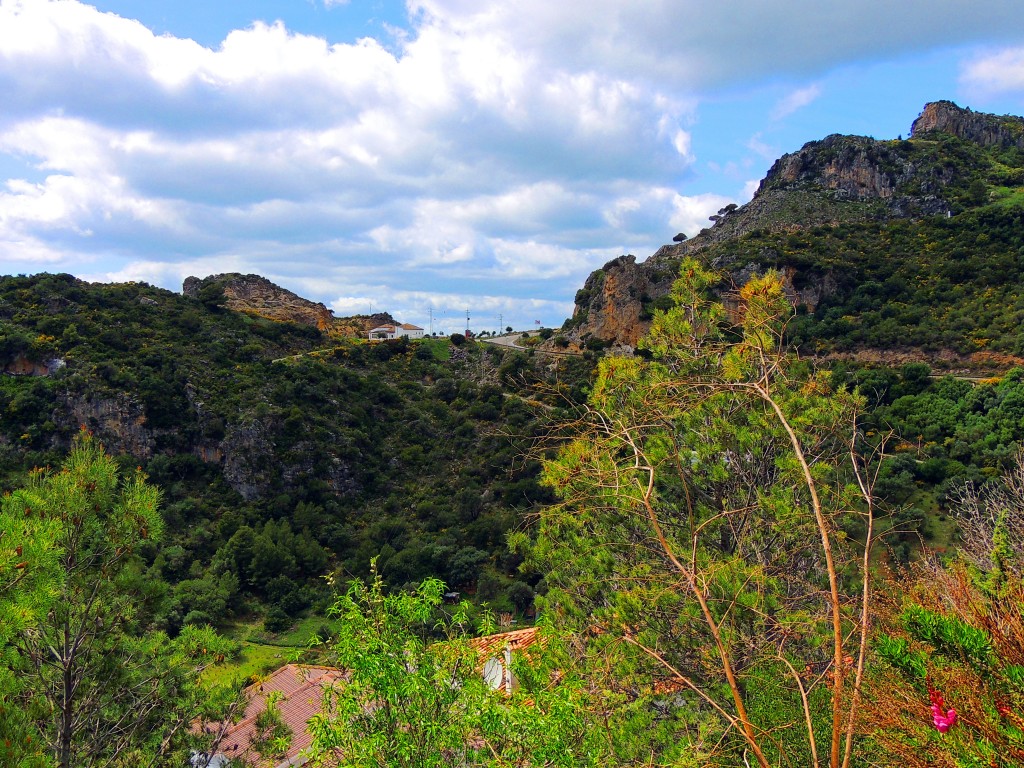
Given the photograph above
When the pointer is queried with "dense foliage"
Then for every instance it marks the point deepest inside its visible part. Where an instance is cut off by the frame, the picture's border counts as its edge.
(935, 283)
(84, 679)
(704, 531)
(279, 466)
(701, 547)
(948, 688)
(414, 696)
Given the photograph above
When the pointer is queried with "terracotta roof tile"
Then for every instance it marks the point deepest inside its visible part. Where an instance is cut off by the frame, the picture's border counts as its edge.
(302, 691)
(495, 644)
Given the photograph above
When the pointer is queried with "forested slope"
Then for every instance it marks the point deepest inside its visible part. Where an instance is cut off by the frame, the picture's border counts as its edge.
(277, 469)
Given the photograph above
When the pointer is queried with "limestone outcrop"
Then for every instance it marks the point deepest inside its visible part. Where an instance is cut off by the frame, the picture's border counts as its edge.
(1004, 131)
(258, 296)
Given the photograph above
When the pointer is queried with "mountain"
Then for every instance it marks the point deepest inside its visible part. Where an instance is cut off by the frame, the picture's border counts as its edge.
(905, 249)
(287, 447)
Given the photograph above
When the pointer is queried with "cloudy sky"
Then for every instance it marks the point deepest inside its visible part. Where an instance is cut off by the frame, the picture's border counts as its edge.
(441, 155)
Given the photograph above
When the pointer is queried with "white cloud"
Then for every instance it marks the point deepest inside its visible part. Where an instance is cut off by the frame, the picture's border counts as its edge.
(690, 213)
(544, 261)
(506, 147)
(21, 254)
(795, 100)
(695, 44)
(758, 146)
(487, 312)
(996, 72)
(170, 273)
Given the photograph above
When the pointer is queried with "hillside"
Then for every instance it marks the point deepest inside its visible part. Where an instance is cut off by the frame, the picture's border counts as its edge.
(899, 250)
(305, 486)
(276, 468)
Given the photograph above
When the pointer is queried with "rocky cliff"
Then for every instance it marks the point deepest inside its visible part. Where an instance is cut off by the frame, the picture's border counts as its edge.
(258, 296)
(1005, 131)
(836, 181)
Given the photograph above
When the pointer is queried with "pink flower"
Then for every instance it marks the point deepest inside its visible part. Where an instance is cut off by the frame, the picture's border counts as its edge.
(942, 718)
(943, 722)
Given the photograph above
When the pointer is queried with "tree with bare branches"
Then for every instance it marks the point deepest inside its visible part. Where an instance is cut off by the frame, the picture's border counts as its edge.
(713, 537)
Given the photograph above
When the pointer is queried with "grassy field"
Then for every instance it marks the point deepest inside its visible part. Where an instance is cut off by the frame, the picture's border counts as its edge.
(264, 651)
(253, 660)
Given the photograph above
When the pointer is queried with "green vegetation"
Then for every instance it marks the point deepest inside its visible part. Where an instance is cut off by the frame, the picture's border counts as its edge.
(930, 283)
(950, 636)
(700, 541)
(86, 680)
(707, 543)
(415, 698)
(275, 474)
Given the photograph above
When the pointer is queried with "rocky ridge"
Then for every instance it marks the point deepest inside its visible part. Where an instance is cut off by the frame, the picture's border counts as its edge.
(258, 296)
(837, 180)
(1003, 131)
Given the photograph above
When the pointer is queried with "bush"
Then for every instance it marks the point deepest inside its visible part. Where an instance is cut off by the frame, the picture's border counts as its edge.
(276, 620)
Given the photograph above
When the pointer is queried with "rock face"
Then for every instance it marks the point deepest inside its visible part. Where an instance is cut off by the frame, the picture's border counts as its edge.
(118, 421)
(249, 464)
(859, 168)
(1006, 131)
(21, 365)
(360, 325)
(611, 303)
(837, 180)
(257, 295)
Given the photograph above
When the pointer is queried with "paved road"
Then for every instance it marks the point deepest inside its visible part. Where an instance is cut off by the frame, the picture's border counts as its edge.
(508, 340)
(511, 340)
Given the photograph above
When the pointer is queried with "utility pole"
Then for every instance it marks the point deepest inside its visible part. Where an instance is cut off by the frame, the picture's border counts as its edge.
(501, 324)
(467, 323)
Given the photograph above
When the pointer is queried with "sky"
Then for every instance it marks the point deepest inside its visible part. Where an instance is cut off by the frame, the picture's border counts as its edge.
(433, 157)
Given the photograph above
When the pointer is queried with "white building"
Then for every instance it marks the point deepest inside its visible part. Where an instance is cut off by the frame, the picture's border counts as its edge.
(396, 331)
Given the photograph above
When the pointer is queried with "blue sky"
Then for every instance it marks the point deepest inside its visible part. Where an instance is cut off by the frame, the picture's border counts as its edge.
(441, 154)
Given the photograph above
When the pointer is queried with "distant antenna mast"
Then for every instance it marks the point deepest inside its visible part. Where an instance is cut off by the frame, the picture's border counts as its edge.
(501, 323)
(467, 321)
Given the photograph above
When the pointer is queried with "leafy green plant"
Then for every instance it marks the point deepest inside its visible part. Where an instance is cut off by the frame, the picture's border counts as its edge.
(414, 694)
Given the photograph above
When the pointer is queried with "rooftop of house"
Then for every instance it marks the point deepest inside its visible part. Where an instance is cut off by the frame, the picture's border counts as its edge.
(302, 687)
(517, 640)
(302, 692)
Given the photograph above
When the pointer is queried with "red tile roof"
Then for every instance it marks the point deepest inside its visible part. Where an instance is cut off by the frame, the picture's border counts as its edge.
(494, 645)
(492, 660)
(302, 691)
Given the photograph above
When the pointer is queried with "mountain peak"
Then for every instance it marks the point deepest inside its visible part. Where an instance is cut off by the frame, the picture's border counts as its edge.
(852, 184)
(1004, 131)
(259, 296)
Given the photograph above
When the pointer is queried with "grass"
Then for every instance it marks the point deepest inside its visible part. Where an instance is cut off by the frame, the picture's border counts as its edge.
(263, 651)
(254, 659)
(441, 349)
(299, 634)
(1008, 197)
